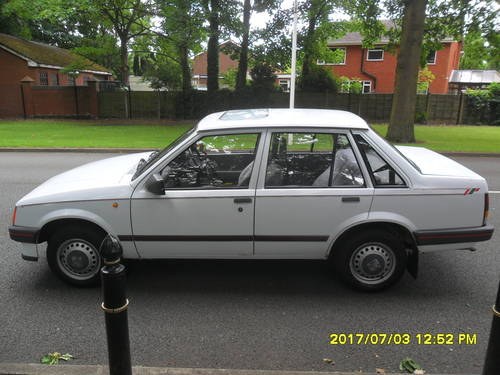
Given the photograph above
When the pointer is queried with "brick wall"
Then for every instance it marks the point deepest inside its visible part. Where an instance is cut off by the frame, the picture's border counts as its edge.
(12, 70)
(383, 73)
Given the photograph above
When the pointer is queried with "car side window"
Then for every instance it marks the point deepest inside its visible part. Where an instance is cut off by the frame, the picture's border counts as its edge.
(220, 161)
(311, 160)
(381, 172)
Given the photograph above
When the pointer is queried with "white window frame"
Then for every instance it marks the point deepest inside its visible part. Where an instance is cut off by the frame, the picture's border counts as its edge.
(43, 78)
(435, 59)
(366, 84)
(323, 62)
(284, 84)
(373, 50)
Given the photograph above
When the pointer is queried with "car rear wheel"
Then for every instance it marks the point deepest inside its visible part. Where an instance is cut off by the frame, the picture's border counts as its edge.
(73, 255)
(370, 261)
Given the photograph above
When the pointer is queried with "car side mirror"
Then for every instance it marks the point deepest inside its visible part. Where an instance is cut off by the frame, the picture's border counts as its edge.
(155, 184)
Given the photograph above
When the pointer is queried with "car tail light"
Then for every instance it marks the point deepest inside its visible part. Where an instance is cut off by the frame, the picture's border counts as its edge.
(14, 216)
(486, 208)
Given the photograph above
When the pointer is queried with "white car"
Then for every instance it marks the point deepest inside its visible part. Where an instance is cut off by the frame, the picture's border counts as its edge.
(261, 184)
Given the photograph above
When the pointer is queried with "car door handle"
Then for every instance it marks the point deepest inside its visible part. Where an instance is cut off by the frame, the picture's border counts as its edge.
(350, 199)
(242, 200)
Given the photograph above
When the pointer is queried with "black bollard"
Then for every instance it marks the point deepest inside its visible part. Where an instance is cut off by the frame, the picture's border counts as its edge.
(115, 304)
(492, 361)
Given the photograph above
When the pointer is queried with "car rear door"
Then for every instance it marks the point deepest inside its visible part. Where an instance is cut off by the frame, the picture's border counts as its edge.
(310, 188)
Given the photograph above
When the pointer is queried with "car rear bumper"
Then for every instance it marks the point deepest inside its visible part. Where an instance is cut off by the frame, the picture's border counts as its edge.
(450, 236)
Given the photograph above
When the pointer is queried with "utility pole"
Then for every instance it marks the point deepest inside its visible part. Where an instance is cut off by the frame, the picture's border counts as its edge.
(294, 56)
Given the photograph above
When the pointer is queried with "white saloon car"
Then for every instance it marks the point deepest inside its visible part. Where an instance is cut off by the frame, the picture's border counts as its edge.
(261, 184)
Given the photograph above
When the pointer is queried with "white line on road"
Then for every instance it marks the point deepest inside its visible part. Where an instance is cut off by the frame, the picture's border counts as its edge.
(494, 192)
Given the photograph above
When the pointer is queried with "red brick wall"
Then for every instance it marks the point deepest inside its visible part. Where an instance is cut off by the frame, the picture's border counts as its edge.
(385, 71)
(225, 63)
(446, 60)
(12, 70)
(44, 100)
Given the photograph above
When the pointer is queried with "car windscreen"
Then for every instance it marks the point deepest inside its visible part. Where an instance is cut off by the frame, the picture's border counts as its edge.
(156, 155)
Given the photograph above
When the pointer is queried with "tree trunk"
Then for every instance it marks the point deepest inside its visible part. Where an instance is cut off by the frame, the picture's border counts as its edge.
(241, 78)
(186, 70)
(124, 61)
(307, 60)
(405, 92)
(213, 48)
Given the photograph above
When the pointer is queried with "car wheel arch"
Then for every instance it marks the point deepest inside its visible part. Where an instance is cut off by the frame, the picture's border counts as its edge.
(49, 228)
(396, 229)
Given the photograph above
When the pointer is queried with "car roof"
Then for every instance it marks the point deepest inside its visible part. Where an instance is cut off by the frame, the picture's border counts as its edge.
(281, 117)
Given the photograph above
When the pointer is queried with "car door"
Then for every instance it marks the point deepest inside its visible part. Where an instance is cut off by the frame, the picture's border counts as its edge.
(310, 188)
(207, 210)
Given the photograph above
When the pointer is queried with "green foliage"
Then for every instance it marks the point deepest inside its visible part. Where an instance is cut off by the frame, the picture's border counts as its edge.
(317, 80)
(348, 85)
(425, 78)
(54, 358)
(263, 78)
(164, 74)
(486, 103)
(229, 78)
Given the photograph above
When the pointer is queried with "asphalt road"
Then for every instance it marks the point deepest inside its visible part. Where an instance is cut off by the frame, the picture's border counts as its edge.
(247, 315)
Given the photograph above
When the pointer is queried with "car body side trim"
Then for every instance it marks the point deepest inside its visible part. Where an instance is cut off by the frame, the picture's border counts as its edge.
(159, 238)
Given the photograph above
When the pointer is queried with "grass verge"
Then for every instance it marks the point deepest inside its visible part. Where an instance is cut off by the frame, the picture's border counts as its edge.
(447, 138)
(88, 134)
(150, 134)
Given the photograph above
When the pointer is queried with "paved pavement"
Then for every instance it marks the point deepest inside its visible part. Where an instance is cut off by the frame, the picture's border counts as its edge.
(247, 315)
(35, 369)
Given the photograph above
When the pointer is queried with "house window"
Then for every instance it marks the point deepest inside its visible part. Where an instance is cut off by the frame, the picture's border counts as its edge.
(431, 57)
(285, 85)
(355, 86)
(336, 56)
(376, 54)
(54, 79)
(44, 79)
(367, 87)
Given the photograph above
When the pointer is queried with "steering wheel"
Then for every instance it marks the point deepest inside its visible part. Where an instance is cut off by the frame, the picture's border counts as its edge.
(203, 165)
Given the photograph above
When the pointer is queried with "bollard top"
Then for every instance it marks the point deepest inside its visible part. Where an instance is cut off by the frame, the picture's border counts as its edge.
(111, 249)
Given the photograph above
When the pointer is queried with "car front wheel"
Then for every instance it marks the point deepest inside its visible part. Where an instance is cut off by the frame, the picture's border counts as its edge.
(370, 261)
(73, 255)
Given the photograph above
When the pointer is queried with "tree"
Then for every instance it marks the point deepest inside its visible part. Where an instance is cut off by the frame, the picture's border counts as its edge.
(182, 29)
(481, 51)
(429, 21)
(405, 93)
(248, 8)
(222, 20)
(212, 10)
(128, 18)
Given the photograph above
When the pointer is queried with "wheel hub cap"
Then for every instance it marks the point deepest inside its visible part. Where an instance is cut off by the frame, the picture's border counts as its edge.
(78, 259)
(372, 263)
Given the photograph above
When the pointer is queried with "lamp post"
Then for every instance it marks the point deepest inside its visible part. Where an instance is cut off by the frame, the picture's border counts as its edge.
(294, 56)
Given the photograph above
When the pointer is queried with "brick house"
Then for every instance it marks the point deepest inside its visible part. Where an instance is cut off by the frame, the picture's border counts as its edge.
(228, 59)
(41, 65)
(376, 68)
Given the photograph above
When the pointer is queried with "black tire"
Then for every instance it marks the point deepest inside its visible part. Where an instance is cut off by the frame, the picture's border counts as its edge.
(73, 254)
(371, 260)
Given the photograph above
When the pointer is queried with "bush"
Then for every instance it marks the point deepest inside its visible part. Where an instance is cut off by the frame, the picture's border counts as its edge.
(263, 78)
(317, 80)
(486, 103)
